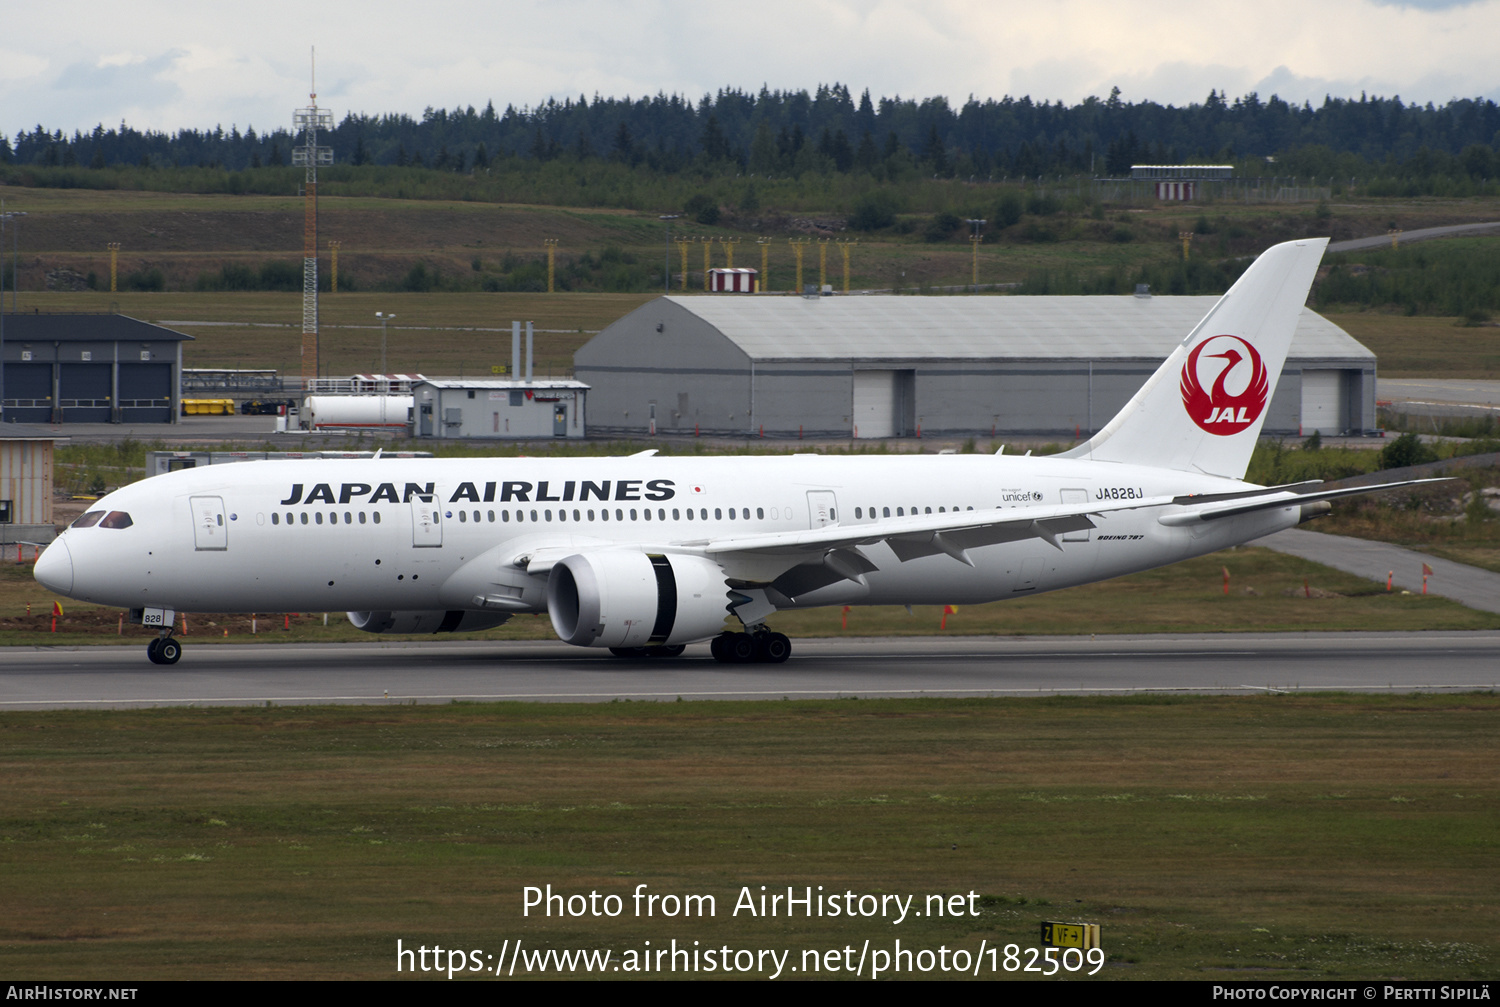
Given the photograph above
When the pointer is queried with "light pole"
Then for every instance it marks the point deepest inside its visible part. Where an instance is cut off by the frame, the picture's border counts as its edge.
(666, 262)
(975, 240)
(383, 319)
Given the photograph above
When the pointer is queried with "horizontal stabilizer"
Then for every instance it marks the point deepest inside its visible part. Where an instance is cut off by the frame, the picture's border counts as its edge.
(1214, 512)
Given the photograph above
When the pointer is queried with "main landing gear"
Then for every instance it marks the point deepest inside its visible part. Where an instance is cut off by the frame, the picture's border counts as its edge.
(759, 647)
(164, 650)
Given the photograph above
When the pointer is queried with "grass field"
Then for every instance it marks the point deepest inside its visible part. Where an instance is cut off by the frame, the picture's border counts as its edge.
(1269, 592)
(1270, 837)
(1412, 346)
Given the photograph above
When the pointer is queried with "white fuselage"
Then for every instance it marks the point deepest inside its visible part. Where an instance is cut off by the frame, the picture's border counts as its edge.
(325, 535)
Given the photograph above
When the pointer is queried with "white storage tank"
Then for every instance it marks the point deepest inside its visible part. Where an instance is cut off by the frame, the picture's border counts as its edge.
(325, 412)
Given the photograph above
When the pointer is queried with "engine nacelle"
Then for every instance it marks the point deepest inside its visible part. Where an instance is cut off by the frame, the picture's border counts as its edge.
(455, 621)
(635, 599)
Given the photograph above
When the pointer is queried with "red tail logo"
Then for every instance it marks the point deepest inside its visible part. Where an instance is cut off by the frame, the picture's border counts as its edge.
(1220, 410)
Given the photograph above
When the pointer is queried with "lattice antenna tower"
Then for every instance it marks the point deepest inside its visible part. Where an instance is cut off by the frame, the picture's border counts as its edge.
(308, 121)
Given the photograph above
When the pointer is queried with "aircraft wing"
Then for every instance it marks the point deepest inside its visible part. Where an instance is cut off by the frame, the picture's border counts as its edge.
(953, 534)
(930, 534)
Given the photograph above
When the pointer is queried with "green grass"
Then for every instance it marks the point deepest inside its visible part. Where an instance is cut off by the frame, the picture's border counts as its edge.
(1269, 837)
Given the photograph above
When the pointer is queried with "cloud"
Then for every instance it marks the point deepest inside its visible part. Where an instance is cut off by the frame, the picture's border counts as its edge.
(186, 64)
(1428, 4)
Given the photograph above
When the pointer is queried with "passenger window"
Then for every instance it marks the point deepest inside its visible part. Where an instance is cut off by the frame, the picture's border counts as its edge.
(575, 516)
(348, 517)
(760, 513)
(647, 512)
(632, 514)
(376, 517)
(604, 515)
(887, 511)
(318, 517)
(505, 516)
(661, 513)
(463, 515)
(361, 517)
(591, 514)
(900, 512)
(619, 514)
(731, 513)
(676, 514)
(562, 515)
(548, 512)
(89, 520)
(491, 516)
(690, 513)
(275, 518)
(304, 517)
(718, 514)
(533, 516)
(858, 513)
(703, 513)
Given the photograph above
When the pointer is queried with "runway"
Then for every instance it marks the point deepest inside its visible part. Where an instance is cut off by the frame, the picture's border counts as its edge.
(230, 675)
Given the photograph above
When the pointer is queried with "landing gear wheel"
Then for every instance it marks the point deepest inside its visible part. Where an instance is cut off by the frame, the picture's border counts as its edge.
(716, 648)
(153, 651)
(772, 648)
(740, 648)
(169, 652)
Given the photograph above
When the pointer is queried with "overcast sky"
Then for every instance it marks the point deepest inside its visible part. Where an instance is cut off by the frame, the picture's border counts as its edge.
(172, 64)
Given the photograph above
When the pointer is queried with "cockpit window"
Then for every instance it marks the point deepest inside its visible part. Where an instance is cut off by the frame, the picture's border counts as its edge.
(88, 520)
(116, 519)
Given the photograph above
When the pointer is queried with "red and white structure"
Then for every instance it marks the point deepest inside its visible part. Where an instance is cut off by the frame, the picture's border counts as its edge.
(1180, 182)
(734, 281)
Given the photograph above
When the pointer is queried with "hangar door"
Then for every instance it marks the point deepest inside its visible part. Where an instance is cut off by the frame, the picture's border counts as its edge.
(28, 393)
(1324, 407)
(880, 403)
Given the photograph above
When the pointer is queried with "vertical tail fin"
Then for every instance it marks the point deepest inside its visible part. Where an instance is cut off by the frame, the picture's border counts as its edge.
(1203, 408)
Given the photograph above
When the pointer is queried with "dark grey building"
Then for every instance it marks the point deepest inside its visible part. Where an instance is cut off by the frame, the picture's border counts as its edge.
(883, 366)
(90, 369)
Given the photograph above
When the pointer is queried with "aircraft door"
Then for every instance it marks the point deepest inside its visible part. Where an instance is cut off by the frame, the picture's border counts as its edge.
(426, 523)
(1075, 497)
(822, 507)
(210, 530)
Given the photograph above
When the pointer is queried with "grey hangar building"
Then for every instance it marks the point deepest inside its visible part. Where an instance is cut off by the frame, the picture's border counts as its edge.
(889, 366)
(90, 368)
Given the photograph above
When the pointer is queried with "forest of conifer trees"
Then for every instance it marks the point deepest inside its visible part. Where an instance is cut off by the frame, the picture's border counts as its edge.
(828, 131)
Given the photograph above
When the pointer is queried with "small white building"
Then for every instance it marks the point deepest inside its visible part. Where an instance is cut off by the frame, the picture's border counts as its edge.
(498, 409)
(26, 482)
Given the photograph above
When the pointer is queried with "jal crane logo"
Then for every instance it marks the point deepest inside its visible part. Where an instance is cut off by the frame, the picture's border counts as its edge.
(1238, 393)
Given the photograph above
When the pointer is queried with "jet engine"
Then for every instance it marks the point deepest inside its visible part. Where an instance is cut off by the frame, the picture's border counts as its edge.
(636, 599)
(455, 621)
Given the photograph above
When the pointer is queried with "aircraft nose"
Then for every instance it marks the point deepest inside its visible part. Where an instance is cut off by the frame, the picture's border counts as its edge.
(54, 568)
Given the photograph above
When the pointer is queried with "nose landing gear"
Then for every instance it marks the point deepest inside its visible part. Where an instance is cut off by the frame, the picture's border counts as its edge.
(164, 649)
(759, 647)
